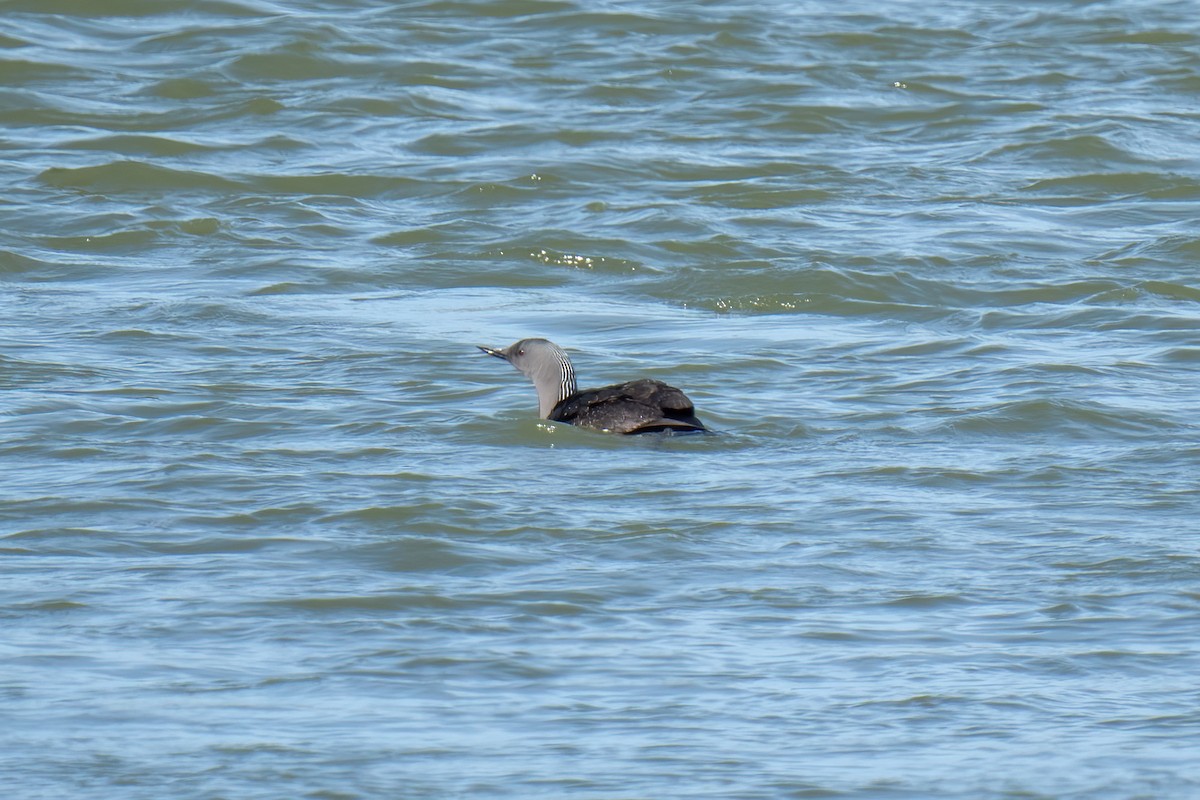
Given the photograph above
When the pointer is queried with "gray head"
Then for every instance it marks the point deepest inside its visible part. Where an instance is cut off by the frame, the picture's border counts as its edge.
(544, 363)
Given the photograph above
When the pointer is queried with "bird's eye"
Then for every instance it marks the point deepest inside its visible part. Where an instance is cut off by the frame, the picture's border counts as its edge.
(520, 352)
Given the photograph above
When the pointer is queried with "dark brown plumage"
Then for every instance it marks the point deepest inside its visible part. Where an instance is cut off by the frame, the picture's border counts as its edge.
(641, 406)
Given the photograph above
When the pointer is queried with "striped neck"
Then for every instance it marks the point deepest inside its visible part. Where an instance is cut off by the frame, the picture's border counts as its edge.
(554, 380)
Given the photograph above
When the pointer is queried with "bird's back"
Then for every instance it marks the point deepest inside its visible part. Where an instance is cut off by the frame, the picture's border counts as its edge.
(641, 406)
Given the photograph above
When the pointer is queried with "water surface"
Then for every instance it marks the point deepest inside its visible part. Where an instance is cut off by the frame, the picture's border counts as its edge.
(270, 526)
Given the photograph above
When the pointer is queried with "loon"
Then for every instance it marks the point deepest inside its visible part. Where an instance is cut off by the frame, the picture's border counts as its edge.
(641, 406)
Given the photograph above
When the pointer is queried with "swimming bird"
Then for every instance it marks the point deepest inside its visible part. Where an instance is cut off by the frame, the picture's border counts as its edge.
(641, 406)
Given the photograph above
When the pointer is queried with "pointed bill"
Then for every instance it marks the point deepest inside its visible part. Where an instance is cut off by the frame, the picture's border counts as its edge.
(493, 351)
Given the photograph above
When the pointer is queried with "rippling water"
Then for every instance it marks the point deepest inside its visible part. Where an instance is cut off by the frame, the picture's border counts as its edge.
(270, 526)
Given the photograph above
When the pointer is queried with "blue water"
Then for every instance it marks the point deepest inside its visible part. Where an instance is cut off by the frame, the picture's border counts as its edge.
(271, 526)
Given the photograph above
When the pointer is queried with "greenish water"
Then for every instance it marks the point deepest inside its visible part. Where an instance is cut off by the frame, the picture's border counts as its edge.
(271, 526)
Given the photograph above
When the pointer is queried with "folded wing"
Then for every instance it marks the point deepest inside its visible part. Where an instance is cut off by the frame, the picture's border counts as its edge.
(641, 406)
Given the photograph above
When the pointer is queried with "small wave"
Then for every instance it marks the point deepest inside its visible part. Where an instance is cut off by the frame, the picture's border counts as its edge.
(1083, 148)
(124, 176)
(817, 304)
(1076, 419)
(1087, 188)
(130, 144)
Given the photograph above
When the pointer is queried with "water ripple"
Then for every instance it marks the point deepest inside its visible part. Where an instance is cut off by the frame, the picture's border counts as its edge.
(926, 268)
